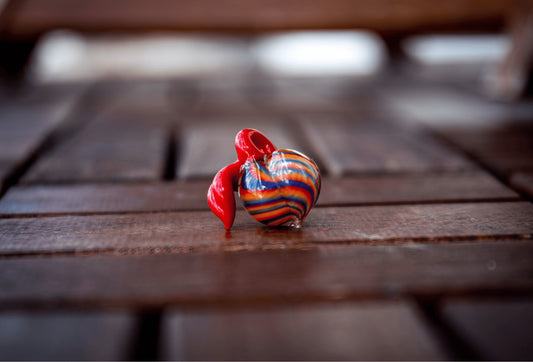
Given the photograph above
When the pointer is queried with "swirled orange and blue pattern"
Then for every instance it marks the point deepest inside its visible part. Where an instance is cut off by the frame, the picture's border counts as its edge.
(281, 189)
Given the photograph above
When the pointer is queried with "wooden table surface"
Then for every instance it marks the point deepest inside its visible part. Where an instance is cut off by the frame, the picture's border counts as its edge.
(420, 246)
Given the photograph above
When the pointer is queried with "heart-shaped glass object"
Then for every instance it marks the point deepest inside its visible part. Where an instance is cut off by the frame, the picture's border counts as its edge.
(277, 187)
(281, 189)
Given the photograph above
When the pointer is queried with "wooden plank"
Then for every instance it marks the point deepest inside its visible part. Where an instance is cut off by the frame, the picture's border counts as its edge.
(202, 279)
(187, 231)
(146, 97)
(360, 98)
(456, 106)
(26, 123)
(496, 329)
(507, 164)
(340, 331)
(493, 134)
(411, 188)
(176, 196)
(304, 95)
(6, 168)
(352, 146)
(504, 155)
(208, 143)
(35, 17)
(21, 130)
(105, 198)
(523, 181)
(233, 101)
(117, 145)
(506, 147)
(78, 336)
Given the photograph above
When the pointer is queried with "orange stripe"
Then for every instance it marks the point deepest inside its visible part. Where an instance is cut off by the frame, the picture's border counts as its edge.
(283, 221)
(253, 195)
(272, 214)
(265, 206)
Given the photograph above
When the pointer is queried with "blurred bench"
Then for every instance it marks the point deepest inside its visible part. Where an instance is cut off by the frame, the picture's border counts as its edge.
(23, 22)
(34, 17)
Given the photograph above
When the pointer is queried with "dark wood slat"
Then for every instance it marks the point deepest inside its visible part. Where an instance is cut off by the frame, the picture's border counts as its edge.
(496, 329)
(509, 163)
(6, 168)
(355, 331)
(455, 106)
(22, 128)
(382, 189)
(523, 181)
(275, 276)
(147, 98)
(66, 336)
(232, 101)
(207, 144)
(24, 125)
(411, 188)
(117, 145)
(303, 95)
(494, 134)
(186, 231)
(35, 17)
(505, 148)
(358, 146)
(102, 198)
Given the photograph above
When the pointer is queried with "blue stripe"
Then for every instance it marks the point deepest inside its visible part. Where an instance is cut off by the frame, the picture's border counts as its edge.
(302, 185)
(298, 171)
(308, 164)
(248, 182)
(263, 201)
(273, 208)
(297, 204)
(253, 184)
(299, 201)
(268, 221)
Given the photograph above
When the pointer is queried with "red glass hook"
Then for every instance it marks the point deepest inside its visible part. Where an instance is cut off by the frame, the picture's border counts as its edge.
(250, 145)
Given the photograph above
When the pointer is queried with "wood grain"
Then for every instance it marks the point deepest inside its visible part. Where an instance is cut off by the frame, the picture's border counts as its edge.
(339, 331)
(201, 230)
(66, 335)
(114, 146)
(411, 188)
(208, 143)
(35, 17)
(105, 198)
(348, 146)
(176, 196)
(208, 279)
(496, 329)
